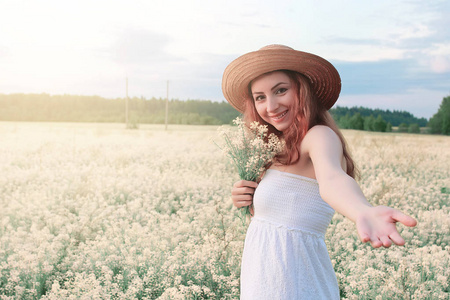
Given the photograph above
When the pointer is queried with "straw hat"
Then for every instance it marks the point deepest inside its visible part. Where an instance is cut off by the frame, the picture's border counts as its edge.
(324, 78)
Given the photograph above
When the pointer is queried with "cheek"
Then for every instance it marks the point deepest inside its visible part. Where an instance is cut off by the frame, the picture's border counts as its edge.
(260, 110)
(292, 99)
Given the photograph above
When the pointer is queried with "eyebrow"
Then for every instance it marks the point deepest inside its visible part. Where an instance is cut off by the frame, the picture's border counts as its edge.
(273, 88)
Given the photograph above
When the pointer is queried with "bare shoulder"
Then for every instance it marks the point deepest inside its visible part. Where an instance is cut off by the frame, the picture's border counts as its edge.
(321, 135)
(325, 150)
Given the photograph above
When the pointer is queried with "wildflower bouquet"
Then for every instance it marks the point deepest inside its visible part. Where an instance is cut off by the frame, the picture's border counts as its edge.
(250, 149)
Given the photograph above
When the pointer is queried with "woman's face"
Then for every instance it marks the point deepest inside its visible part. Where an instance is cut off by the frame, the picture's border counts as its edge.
(274, 97)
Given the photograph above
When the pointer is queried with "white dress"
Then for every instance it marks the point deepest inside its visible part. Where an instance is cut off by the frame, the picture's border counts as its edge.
(285, 256)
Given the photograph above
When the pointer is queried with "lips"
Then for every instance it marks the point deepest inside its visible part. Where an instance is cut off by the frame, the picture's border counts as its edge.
(280, 116)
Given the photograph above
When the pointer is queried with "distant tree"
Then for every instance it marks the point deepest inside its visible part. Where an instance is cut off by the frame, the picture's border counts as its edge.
(388, 127)
(369, 122)
(344, 122)
(379, 124)
(356, 122)
(403, 127)
(440, 122)
(414, 128)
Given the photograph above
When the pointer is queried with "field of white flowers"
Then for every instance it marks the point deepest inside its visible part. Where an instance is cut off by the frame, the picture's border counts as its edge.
(95, 211)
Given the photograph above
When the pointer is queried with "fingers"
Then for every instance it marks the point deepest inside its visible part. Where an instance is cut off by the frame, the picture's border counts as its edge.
(397, 239)
(242, 191)
(362, 229)
(375, 242)
(242, 200)
(245, 183)
(238, 198)
(364, 238)
(240, 204)
(242, 196)
(379, 228)
(406, 220)
(385, 241)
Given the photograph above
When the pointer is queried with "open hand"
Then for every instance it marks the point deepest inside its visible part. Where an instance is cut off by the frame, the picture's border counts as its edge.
(377, 225)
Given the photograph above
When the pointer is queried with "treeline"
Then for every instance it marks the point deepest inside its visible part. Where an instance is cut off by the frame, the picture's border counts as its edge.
(371, 123)
(395, 118)
(73, 108)
(359, 122)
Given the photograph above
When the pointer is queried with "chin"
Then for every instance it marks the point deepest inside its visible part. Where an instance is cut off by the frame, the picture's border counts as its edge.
(282, 129)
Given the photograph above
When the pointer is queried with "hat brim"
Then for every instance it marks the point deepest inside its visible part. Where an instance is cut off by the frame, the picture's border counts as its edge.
(323, 76)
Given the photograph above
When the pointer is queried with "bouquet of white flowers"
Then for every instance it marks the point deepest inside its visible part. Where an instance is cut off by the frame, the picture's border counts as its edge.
(250, 149)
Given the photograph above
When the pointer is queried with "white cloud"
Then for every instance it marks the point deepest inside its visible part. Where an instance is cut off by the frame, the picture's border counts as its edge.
(139, 46)
(411, 31)
(440, 57)
(440, 64)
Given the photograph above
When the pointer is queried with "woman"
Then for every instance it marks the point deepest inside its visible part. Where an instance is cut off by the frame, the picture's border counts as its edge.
(285, 256)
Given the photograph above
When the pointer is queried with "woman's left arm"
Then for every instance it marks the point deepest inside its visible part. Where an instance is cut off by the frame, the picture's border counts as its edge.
(340, 191)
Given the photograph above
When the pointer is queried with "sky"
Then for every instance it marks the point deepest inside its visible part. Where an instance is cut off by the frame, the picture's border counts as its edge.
(390, 54)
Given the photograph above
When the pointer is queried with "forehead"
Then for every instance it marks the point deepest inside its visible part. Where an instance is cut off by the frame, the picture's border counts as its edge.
(268, 80)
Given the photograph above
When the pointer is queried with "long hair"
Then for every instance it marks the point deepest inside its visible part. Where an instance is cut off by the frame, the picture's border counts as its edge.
(309, 113)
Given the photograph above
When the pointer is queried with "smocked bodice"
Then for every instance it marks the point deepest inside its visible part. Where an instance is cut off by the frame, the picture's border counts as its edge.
(293, 201)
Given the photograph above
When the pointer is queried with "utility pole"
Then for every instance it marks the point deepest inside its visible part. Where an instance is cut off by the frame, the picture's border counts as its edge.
(126, 105)
(167, 104)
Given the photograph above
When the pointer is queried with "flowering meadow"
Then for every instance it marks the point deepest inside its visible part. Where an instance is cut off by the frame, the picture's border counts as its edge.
(96, 211)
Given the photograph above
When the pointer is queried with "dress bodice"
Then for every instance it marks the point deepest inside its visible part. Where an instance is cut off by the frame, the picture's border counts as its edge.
(293, 201)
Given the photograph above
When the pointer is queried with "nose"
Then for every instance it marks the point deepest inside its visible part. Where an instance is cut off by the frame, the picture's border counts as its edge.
(272, 104)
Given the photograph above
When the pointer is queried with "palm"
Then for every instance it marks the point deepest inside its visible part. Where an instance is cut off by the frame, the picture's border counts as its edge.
(377, 225)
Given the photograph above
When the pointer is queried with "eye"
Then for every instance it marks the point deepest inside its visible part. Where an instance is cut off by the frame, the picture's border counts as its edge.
(281, 91)
(259, 98)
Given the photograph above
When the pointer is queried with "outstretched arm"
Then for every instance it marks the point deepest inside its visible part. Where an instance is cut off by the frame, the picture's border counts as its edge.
(340, 191)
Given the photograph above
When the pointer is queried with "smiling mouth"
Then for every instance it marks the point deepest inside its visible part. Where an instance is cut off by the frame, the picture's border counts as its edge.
(279, 117)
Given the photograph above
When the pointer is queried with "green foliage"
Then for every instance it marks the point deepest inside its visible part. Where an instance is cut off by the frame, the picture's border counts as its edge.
(394, 117)
(369, 123)
(379, 124)
(403, 127)
(414, 128)
(356, 122)
(73, 108)
(344, 122)
(440, 122)
(388, 127)
(359, 122)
